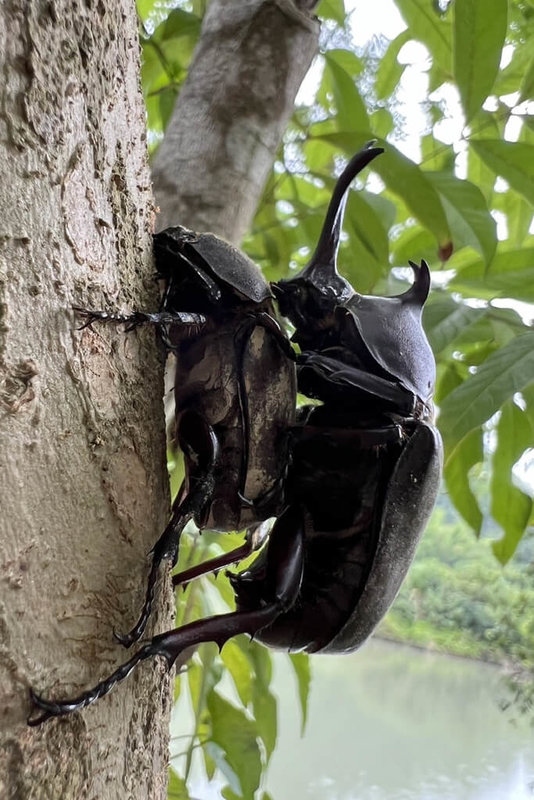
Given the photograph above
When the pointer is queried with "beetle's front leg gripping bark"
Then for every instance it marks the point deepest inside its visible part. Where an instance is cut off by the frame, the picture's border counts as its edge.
(161, 320)
(284, 576)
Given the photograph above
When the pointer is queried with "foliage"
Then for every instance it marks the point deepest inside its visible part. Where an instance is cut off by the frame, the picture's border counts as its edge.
(459, 600)
(456, 189)
(234, 709)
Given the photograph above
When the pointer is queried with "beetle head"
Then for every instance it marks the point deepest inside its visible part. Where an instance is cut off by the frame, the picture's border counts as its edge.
(310, 299)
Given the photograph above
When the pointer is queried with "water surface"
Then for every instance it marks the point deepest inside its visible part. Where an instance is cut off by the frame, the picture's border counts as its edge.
(395, 723)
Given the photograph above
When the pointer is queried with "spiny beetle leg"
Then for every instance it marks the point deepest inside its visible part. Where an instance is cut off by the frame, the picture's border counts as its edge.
(255, 538)
(166, 548)
(285, 564)
(161, 319)
(213, 565)
(349, 381)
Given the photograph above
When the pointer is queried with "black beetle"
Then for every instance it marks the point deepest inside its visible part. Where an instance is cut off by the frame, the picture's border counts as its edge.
(354, 492)
(235, 397)
(366, 464)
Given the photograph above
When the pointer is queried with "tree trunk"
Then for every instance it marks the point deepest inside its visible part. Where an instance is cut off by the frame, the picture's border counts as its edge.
(84, 493)
(231, 113)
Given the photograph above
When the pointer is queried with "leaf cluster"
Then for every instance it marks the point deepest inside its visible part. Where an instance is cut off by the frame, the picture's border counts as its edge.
(459, 600)
(233, 707)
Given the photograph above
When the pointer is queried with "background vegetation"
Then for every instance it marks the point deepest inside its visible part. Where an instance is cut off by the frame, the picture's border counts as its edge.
(459, 600)
(457, 188)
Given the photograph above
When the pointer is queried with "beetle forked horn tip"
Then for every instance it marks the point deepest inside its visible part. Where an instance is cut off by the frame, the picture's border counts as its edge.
(418, 292)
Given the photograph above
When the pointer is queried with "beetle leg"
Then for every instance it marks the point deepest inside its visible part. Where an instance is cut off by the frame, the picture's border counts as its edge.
(168, 543)
(285, 560)
(254, 540)
(346, 380)
(192, 323)
(167, 547)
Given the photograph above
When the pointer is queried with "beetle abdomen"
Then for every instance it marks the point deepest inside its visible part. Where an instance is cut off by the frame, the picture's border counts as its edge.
(357, 553)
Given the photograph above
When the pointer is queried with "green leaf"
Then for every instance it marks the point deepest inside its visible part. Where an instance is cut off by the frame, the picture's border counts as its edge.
(384, 208)
(426, 25)
(263, 701)
(216, 755)
(167, 100)
(449, 376)
(382, 122)
(179, 23)
(519, 214)
(389, 70)
(265, 714)
(238, 666)
(505, 372)
(259, 657)
(364, 258)
(436, 155)
(407, 180)
(177, 788)
(332, 9)
(368, 227)
(510, 274)
(467, 213)
(528, 397)
(351, 111)
(512, 76)
(478, 34)
(153, 74)
(526, 91)
(236, 735)
(445, 320)
(413, 242)
(145, 8)
(514, 161)
(510, 507)
(484, 126)
(301, 665)
(228, 794)
(469, 452)
(347, 60)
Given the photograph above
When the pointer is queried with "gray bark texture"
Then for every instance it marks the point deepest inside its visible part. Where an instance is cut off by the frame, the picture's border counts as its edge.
(231, 113)
(84, 490)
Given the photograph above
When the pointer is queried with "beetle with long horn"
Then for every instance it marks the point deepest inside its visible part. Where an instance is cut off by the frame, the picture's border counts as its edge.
(362, 469)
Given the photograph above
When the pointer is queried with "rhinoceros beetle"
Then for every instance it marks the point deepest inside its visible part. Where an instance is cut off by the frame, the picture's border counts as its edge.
(351, 482)
(366, 464)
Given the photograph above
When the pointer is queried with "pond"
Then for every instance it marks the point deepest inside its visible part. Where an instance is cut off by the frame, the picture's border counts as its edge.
(395, 723)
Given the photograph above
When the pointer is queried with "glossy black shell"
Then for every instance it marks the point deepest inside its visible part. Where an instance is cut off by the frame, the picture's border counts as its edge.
(224, 262)
(232, 377)
(388, 333)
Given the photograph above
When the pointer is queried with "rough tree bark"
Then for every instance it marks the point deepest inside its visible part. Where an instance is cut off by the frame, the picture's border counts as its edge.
(229, 119)
(84, 492)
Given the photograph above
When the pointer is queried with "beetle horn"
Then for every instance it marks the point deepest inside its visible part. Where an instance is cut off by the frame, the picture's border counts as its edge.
(322, 268)
(418, 291)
